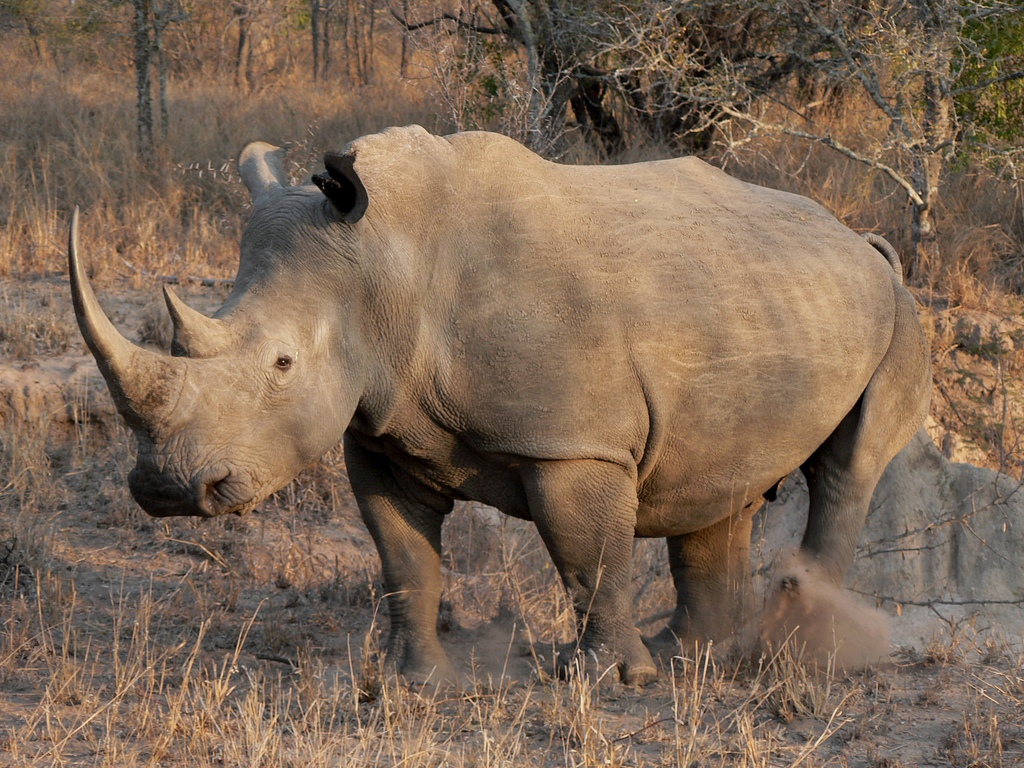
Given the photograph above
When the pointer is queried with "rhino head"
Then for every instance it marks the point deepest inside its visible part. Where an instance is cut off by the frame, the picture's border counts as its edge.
(250, 396)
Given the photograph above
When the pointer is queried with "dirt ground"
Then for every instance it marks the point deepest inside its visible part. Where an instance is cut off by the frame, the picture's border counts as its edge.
(126, 640)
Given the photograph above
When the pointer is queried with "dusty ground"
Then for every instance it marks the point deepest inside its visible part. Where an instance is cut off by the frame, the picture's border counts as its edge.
(129, 641)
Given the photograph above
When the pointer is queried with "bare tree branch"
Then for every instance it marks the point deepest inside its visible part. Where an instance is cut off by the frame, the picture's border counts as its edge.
(459, 20)
(857, 62)
(989, 11)
(933, 603)
(1018, 75)
(829, 141)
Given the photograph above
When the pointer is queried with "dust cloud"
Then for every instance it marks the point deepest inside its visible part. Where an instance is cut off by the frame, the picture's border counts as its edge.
(823, 619)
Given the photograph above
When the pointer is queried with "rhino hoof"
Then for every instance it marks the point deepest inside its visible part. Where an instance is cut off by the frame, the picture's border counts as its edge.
(601, 665)
(429, 676)
(638, 674)
(419, 667)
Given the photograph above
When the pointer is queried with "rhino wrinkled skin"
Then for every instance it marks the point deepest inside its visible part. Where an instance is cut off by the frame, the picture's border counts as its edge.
(610, 352)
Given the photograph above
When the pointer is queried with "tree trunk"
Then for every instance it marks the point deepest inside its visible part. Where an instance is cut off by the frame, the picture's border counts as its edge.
(320, 28)
(35, 36)
(346, 51)
(352, 40)
(367, 67)
(160, 22)
(599, 124)
(923, 234)
(533, 72)
(359, 39)
(316, 9)
(922, 239)
(243, 52)
(937, 126)
(404, 70)
(143, 86)
(325, 52)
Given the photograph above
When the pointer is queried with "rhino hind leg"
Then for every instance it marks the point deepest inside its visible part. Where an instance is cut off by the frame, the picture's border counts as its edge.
(407, 531)
(586, 513)
(843, 472)
(711, 572)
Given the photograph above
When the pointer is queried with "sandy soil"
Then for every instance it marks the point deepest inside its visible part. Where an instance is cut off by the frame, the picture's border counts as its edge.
(298, 580)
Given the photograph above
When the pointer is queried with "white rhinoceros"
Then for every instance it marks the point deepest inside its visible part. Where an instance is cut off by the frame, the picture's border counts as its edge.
(610, 352)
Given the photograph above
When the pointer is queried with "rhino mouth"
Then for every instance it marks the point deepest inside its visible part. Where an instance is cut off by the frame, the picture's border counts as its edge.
(210, 493)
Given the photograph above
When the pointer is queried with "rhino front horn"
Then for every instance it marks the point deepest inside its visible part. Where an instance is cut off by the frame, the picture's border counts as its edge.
(140, 382)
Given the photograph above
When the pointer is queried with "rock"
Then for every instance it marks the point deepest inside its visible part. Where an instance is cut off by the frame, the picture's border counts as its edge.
(953, 445)
(941, 538)
(983, 333)
(58, 391)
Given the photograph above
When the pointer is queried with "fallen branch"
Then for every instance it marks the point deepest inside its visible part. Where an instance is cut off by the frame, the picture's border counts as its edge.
(939, 602)
(208, 282)
(279, 659)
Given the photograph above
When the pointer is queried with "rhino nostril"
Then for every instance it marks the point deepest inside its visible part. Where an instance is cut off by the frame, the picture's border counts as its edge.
(211, 498)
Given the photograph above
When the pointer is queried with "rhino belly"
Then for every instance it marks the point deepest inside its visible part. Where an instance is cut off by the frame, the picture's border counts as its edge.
(721, 441)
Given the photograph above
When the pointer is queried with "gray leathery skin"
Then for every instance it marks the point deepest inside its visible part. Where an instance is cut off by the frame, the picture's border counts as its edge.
(617, 351)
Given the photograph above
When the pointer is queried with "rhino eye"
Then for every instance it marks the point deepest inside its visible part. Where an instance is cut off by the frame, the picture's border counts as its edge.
(284, 362)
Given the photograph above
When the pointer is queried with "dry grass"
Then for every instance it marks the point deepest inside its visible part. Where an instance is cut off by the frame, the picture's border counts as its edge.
(126, 641)
(67, 141)
(980, 221)
(129, 641)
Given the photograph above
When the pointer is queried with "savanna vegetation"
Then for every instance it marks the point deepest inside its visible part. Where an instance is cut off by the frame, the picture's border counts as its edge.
(131, 641)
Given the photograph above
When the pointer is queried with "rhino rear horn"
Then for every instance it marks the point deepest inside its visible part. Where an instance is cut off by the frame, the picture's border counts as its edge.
(261, 167)
(140, 381)
(343, 187)
(195, 334)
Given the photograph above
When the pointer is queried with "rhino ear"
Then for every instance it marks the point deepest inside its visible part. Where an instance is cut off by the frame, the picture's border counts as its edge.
(343, 187)
(261, 167)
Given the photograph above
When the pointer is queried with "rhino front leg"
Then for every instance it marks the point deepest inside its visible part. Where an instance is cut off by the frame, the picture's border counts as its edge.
(586, 514)
(405, 522)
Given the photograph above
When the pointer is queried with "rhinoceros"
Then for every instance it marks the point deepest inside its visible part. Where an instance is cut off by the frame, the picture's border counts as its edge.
(609, 351)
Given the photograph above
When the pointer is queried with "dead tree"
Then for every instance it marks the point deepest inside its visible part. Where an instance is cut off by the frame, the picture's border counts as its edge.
(538, 30)
(404, 62)
(320, 16)
(143, 49)
(744, 64)
(244, 12)
(165, 13)
(360, 16)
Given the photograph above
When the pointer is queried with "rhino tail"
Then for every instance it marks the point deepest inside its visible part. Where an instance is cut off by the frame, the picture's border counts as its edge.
(885, 248)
